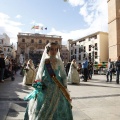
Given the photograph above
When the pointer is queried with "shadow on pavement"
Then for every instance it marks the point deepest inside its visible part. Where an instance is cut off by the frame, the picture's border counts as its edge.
(100, 96)
(12, 93)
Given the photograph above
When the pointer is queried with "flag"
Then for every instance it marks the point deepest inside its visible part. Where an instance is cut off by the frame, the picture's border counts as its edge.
(41, 28)
(35, 27)
(46, 28)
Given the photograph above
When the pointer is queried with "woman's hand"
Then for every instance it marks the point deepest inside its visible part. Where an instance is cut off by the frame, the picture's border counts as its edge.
(38, 80)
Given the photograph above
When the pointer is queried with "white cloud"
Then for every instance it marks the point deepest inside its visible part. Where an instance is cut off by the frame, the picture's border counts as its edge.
(93, 10)
(40, 24)
(33, 22)
(18, 16)
(95, 15)
(10, 27)
(76, 2)
(83, 10)
(36, 23)
(73, 34)
(64, 11)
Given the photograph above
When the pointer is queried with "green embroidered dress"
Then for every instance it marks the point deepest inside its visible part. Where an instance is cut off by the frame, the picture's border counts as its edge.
(47, 102)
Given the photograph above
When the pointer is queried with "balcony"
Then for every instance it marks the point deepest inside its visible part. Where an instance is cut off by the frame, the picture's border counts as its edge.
(38, 35)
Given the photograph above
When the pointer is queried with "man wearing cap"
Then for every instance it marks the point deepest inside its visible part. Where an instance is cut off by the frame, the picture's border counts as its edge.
(2, 67)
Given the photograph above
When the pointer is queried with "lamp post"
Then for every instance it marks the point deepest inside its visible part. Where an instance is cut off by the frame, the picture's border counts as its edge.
(93, 55)
(93, 46)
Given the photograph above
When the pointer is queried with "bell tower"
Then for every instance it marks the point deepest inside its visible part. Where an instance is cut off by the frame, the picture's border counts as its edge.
(114, 28)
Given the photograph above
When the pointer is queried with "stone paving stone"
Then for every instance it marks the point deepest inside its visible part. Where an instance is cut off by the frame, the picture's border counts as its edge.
(4, 108)
(3, 114)
(16, 111)
(17, 106)
(79, 115)
(102, 112)
(92, 100)
(15, 116)
(109, 117)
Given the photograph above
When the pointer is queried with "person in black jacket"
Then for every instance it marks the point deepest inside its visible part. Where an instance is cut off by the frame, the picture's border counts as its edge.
(90, 69)
(117, 64)
(2, 67)
(68, 67)
(109, 70)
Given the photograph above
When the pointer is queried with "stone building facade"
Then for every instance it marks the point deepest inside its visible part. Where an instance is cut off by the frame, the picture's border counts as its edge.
(32, 45)
(93, 46)
(10, 51)
(6, 47)
(114, 28)
(4, 40)
(64, 54)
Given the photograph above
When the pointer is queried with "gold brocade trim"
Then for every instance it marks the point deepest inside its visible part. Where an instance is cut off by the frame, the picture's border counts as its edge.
(53, 62)
(52, 101)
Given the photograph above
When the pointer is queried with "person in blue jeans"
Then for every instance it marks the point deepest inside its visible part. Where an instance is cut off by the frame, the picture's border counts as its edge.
(85, 69)
(117, 64)
(90, 69)
(2, 67)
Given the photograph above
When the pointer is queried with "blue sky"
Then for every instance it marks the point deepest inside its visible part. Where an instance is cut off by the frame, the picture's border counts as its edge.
(71, 20)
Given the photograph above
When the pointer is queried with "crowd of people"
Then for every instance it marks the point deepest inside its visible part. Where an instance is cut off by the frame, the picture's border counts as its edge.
(8, 68)
(113, 68)
(76, 71)
(50, 97)
(85, 70)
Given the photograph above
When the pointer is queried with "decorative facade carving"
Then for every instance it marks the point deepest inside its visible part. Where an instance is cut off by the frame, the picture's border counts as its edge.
(28, 42)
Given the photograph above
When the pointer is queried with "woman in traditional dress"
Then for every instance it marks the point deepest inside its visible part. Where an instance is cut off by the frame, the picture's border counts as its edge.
(48, 101)
(36, 70)
(73, 75)
(29, 75)
(23, 67)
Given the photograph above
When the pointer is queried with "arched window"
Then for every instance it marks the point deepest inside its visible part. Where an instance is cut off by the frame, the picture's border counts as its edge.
(4, 49)
(22, 51)
(31, 48)
(23, 40)
(47, 41)
(56, 42)
(8, 50)
(32, 40)
(40, 41)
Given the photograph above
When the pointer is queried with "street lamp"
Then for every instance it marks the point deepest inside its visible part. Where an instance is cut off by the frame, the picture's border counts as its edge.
(93, 52)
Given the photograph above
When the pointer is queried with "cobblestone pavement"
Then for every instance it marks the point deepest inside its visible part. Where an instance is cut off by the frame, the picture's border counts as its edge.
(92, 100)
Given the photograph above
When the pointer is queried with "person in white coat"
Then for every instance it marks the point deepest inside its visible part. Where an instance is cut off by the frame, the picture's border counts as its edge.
(73, 75)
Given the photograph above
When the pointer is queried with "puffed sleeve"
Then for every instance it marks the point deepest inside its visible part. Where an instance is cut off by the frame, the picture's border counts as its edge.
(63, 73)
(40, 72)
